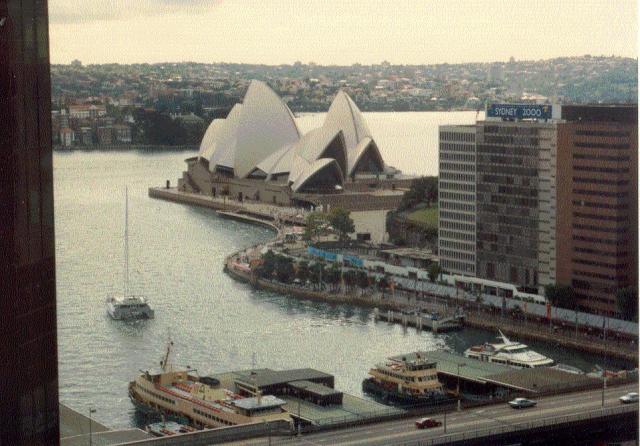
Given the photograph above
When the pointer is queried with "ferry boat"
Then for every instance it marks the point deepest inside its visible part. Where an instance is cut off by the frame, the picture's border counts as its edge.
(509, 353)
(183, 396)
(406, 379)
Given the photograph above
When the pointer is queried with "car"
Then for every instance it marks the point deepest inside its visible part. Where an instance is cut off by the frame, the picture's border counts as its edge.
(521, 403)
(631, 397)
(426, 423)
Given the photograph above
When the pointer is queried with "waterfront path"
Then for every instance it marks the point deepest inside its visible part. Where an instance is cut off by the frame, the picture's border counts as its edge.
(479, 316)
(431, 299)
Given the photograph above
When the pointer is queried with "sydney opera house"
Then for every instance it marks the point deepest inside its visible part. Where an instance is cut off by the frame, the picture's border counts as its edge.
(258, 153)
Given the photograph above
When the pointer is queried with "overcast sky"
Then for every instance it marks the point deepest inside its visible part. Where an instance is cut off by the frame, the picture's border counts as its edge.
(340, 32)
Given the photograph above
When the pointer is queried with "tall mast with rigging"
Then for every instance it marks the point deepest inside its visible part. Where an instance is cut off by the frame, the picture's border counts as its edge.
(126, 241)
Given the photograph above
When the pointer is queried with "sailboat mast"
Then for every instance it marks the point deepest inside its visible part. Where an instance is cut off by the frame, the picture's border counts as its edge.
(126, 241)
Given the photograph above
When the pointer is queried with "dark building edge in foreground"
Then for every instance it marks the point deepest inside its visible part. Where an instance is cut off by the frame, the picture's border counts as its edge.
(28, 350)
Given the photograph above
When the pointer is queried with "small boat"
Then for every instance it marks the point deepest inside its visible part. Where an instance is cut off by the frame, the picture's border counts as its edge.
(513, 354)
(128, 307)
(168, 428)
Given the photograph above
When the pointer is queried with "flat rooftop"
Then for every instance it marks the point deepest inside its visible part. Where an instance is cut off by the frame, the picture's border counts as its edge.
(352, 408)
(411, 253)
(470, 369)
(530, 380)
(312, 387)
(268, 377)
(541, 379)
(261, 403)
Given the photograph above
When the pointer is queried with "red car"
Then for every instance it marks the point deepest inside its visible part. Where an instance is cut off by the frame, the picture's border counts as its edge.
(426, 423)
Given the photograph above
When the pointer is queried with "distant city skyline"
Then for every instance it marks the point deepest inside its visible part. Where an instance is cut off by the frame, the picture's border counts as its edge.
(334, 32)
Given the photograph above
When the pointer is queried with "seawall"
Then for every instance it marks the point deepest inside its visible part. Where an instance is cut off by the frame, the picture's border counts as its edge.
(479, 320)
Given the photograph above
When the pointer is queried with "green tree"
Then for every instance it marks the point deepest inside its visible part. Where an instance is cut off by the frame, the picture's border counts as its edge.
(627, 303)
(434, 271)
(284, 269)
(561, 296)
(422, 190)
(363, 280)
(333, 276)
(383, 284)
(317, 275)
(268, 265)
(315, 224)
(342, 223)
(303, 271)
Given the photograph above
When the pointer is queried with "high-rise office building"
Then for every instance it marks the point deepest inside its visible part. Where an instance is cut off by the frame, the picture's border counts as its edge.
(555, 199)
(457, 199)
(516, 202)
(597, 219)
(28, 350)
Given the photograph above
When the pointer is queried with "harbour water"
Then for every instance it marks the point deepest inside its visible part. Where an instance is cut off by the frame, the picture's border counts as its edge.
(176, 259)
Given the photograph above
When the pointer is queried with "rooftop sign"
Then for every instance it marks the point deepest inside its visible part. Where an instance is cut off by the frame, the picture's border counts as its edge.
(519, 111)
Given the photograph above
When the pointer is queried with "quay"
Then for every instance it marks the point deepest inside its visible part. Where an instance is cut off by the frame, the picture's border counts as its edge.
(77, 429)
(275, 217)
(420, 320)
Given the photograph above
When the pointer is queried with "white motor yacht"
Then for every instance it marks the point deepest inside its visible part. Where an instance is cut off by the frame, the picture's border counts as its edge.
(509, 353)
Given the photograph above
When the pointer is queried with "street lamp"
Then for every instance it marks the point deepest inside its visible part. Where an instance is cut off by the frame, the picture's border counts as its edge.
(458, 385)
(604, 386)
(91, 411)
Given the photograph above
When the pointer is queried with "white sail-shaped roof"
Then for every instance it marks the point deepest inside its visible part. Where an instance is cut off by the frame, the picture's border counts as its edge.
(225, 142)
(345, 115)
(208, 144)
(322, 166)
(313, 146)
(366, 145)
(278, 162)
(265, 125)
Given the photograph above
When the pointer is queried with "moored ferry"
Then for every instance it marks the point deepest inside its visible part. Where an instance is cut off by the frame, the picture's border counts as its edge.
(509, 353)
(200, 401)
(406, 379)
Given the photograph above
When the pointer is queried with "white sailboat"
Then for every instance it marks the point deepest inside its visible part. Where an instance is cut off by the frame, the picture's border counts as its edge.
(127, 306)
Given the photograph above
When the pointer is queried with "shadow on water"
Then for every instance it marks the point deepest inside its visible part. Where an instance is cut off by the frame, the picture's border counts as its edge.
(131, 329)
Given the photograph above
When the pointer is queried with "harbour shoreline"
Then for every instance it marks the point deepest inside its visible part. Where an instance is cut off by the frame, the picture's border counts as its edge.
(482, 320)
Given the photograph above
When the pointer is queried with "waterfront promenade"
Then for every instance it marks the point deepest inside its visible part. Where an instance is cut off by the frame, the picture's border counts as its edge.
(398, 300)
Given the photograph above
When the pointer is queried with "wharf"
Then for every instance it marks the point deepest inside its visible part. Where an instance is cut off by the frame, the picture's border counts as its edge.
(311, 397)
(496, 380)
(255, 212)
(77, 429)
(419, 320)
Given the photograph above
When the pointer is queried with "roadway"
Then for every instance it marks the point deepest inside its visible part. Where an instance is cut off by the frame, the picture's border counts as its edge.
(398, 432)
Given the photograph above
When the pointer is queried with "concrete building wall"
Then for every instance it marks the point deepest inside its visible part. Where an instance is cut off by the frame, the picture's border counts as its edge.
(457, 199)
(547, 207)
(371, 222)
(515, 202)
(28, 350)
(597, 229)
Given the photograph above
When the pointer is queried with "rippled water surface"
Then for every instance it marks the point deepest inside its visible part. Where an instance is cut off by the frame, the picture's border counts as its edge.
(176, 258)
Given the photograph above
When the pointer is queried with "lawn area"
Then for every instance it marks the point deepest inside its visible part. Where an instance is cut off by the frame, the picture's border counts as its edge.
(427, 218)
